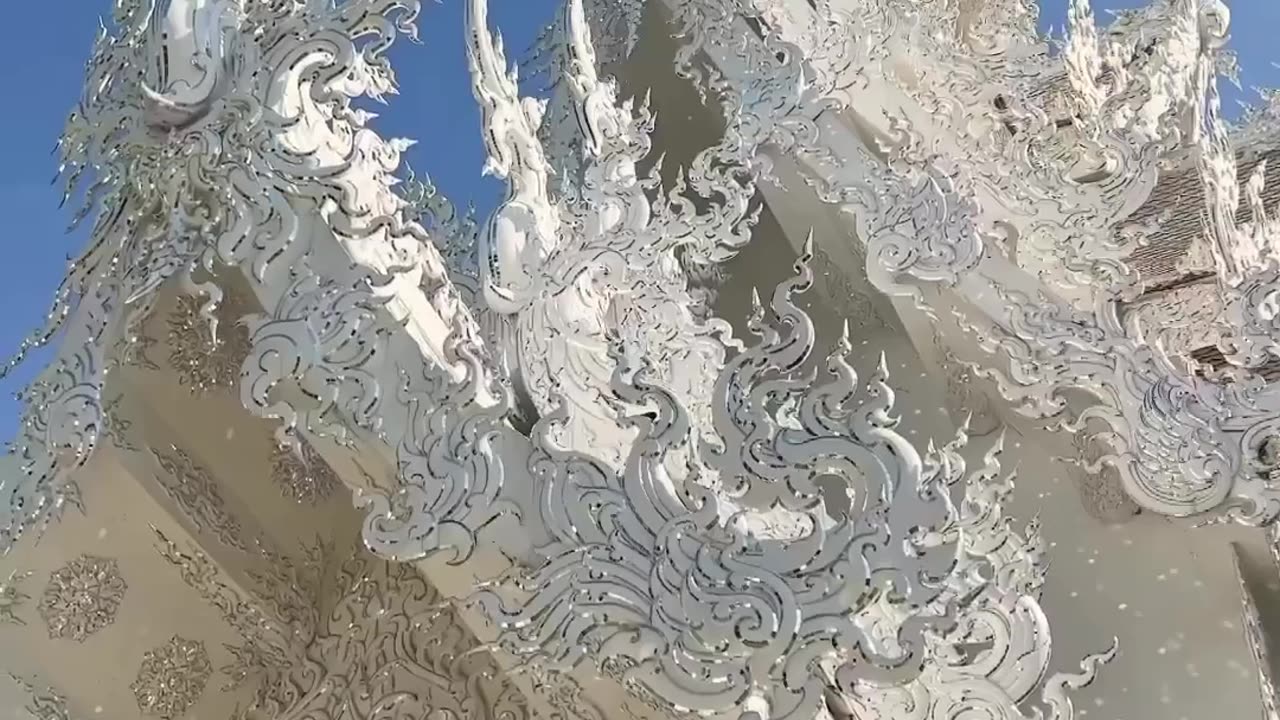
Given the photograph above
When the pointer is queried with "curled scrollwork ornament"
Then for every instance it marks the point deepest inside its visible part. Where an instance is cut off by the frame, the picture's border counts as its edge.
(43, 702)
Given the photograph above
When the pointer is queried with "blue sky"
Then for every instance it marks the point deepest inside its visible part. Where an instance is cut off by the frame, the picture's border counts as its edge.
(43, 74)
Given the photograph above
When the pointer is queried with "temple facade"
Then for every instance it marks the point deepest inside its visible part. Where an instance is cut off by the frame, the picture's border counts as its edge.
(824, 358)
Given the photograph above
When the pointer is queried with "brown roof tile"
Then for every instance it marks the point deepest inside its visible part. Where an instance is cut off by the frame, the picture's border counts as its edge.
(1181, 193)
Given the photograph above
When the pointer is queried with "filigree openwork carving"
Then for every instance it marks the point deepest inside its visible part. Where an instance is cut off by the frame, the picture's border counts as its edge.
(82, 597)
(172, 678)
(12, 599)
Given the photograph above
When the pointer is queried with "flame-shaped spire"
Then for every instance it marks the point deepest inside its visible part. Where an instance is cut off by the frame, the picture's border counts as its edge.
(522, 233)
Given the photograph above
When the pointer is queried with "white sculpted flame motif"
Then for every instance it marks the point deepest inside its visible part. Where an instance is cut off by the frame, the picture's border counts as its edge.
(555, 275)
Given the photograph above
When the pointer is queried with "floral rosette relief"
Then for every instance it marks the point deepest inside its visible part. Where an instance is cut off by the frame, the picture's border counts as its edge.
(82, 598)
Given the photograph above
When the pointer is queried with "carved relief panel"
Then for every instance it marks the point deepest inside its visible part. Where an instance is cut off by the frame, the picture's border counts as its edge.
(205, 616)
(93, 606)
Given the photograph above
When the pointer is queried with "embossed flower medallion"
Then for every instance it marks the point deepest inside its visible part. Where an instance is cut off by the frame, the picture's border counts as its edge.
(12, 598)
(172, 678)
(82, 597)
(302, 475)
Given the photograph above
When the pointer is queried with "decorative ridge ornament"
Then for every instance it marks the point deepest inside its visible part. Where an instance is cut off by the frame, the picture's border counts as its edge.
(199, 37)
(617, 260)
(524, 229)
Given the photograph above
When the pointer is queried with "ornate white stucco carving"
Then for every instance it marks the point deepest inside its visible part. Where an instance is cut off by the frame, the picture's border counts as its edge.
(210, 134)
(615, 261)
(627, 544)
(1015, 182)
(666, 517)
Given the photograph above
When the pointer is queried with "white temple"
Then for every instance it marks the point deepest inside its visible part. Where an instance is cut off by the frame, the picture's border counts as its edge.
(824, 358)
